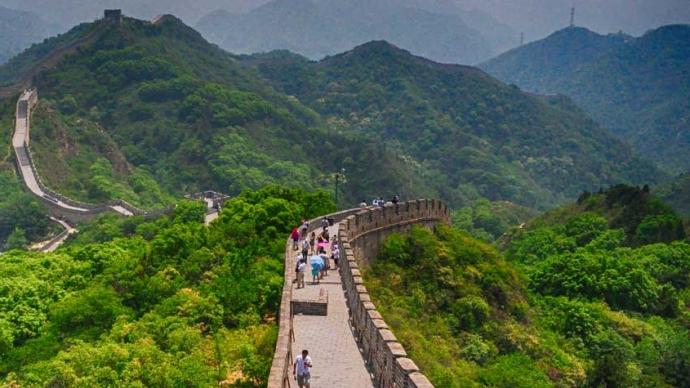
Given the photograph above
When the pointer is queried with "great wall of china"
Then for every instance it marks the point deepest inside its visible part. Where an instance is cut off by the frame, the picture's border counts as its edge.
(60, 206)
(361, 350)
(374, 351)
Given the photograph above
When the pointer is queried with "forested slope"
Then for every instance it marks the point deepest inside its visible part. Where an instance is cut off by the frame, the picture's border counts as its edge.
(472, 135)
(169, 302)
(677, 193)
(152, 111)
(637, 87)
(594, 294)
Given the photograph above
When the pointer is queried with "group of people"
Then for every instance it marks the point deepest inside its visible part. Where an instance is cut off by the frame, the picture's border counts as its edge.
(316, 247)
(380, 202)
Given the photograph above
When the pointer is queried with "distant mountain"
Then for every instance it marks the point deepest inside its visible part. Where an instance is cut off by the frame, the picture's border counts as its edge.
(499, 35)
(147, 111)
(472, 135)
(19, 30)
(637, 87)
(325, 27)
(539, 18)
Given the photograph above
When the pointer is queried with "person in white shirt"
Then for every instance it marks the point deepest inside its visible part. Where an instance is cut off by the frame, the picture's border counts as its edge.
(301, 369)
(301, 268)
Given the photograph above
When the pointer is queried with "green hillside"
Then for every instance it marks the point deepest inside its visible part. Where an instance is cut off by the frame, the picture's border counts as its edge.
(637, 87)
(164, 303)
(472, 135)
(148, 112)
(576, 298)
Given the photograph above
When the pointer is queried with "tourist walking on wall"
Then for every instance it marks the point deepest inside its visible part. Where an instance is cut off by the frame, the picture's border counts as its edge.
(315, 272)
(336, 255)
(295, 238)
(326, 265)
(301, 369)
(301, 269)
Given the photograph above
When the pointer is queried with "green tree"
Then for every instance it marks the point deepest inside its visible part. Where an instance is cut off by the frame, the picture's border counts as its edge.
(96, 307)
(16, 239)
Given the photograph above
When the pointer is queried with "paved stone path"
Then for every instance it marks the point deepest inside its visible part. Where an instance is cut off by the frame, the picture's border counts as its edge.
(19, 139)
(331, 344)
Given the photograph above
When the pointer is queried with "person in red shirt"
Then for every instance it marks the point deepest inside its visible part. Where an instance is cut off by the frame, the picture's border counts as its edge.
(295, 238)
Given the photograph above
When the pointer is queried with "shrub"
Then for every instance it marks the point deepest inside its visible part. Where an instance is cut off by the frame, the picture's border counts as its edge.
(470, 311)
(96, 307)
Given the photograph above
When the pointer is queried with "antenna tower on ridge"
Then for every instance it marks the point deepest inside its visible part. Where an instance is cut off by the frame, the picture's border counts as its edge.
(522, 38)
(572, 16)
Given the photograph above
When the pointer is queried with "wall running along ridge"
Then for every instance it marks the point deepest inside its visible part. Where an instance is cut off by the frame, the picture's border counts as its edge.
(58, 205)
(360, 234)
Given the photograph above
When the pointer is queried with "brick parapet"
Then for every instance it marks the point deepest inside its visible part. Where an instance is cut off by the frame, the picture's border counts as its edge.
(360, 236)
(282, 358)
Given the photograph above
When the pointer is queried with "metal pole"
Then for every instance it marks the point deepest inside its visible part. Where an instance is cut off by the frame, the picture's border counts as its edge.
(337, 176)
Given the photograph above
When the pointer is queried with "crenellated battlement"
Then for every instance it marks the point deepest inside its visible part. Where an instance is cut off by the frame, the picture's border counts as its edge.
(360, 233)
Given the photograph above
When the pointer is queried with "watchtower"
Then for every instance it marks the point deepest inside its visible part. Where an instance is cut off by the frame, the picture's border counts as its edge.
(113, 14)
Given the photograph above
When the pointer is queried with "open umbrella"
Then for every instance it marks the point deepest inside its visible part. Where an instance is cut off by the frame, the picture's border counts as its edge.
(316, 262)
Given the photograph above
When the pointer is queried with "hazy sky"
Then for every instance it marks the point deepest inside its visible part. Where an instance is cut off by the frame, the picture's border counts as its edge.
(536, 18)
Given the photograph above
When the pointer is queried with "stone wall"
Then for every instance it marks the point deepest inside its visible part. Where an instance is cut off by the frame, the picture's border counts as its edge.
(86, 211)
(360, 234)
(360, 237)
(281, 371)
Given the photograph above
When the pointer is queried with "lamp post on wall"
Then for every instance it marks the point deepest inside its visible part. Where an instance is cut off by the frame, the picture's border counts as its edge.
(338, 176)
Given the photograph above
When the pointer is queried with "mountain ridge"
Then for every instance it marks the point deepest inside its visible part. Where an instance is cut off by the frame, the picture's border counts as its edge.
(20, 29)
(637, 87)
(185, 115)
(320, 28)
(419, 107)
(167, 98)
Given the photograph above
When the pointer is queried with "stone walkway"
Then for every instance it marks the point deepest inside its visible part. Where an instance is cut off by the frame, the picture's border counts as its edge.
(331, 344)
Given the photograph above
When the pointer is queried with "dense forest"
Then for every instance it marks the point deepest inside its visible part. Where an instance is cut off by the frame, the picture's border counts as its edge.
(150, 112)
(677, 193)
(594, 294)
(637, 87)
(168, 302)
(473, 136)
